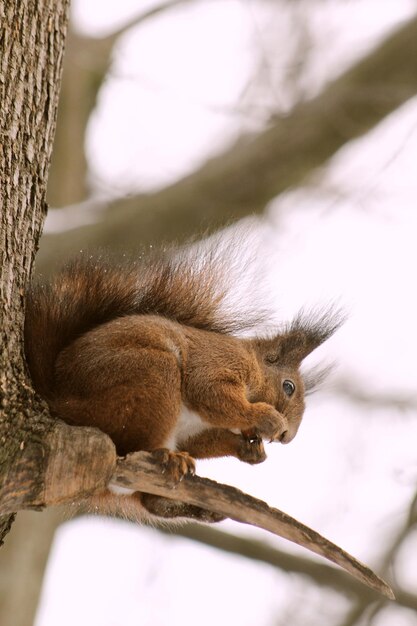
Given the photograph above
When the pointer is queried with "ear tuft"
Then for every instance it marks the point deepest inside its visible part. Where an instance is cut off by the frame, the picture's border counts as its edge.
(307, 332)
(315, 377)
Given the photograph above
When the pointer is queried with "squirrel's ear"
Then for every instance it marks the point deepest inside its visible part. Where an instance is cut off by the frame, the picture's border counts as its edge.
(306, 333)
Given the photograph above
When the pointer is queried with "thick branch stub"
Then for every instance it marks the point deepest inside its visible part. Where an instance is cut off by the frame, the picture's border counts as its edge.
(81, 461)
(141, 472)
(72, 463)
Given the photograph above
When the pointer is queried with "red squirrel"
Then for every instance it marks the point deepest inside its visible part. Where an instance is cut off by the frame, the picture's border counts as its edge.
(148, 353)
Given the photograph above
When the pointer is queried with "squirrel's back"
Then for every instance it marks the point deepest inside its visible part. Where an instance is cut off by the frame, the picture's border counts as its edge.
(186, 286)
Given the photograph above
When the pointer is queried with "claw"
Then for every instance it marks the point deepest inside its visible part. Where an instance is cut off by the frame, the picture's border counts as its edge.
(174, 464)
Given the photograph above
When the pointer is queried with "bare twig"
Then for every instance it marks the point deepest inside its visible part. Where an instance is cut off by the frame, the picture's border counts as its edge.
(363, 605)
(140, 471)
(145, 15)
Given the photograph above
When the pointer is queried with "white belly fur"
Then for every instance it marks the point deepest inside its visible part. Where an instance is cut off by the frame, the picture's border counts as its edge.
(189, 424)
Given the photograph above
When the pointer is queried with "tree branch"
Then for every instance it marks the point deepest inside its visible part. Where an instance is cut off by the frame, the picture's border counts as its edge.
(81, 461)
(70, 463)
(352, 391)
(140, 471)
(256, 169)
(142, 16)
(255, 550)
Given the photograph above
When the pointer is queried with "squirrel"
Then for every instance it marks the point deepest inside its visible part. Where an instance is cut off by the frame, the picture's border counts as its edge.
(149, 353)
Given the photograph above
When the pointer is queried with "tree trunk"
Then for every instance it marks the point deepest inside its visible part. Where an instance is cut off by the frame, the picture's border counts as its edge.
(31, 44)
(23, 559)
(36, 452)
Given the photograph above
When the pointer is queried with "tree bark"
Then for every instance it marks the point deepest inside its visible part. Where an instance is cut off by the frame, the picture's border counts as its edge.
(36, 452)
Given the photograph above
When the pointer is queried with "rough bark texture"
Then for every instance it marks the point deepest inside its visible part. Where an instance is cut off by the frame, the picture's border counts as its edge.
(32, 445)
(31, 44)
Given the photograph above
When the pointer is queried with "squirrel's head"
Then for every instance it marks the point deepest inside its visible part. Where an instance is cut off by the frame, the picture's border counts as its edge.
(281, 356)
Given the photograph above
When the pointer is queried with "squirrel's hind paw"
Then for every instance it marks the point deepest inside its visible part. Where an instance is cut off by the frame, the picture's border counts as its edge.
(174, 464)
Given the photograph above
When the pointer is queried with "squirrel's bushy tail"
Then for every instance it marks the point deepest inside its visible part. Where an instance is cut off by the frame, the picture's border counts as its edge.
(185, 286)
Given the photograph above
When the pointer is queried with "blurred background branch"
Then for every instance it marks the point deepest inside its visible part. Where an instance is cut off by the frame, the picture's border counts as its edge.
(319, 573)
(250, 173)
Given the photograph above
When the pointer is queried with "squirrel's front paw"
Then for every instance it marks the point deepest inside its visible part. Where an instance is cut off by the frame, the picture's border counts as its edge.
(268, 423)
(175, 465)
(251, 449)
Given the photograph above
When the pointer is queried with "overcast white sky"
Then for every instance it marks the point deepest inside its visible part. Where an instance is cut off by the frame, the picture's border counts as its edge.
(352, 470)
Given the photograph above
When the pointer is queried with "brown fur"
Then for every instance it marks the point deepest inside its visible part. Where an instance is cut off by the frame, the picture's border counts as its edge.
(128, 348)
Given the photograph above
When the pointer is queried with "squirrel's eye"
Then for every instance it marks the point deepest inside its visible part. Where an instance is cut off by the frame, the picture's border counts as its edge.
(288, 387)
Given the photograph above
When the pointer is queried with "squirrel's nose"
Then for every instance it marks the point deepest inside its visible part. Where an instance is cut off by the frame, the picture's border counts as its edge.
(288, 435)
